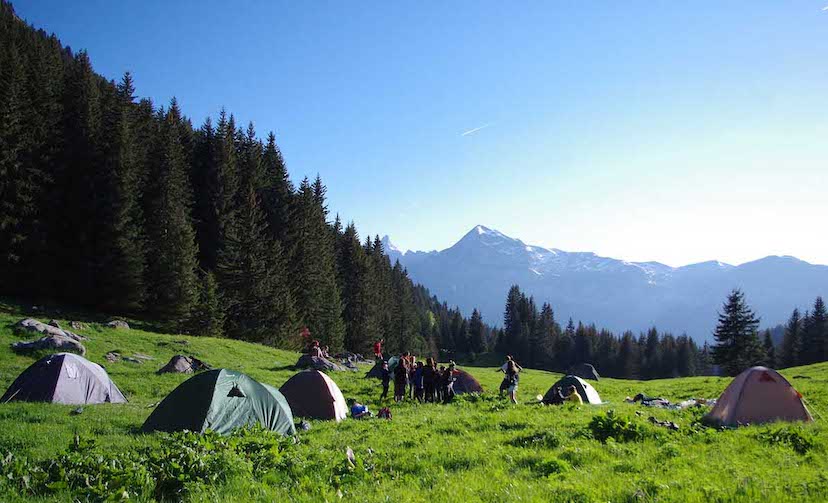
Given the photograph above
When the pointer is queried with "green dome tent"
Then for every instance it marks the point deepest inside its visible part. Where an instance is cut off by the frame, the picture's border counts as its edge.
(221, 400)
(587, 392)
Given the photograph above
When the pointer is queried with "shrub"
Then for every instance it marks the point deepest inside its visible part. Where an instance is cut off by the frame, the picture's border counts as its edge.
(622, 429)
(544, 439)
(794, 436)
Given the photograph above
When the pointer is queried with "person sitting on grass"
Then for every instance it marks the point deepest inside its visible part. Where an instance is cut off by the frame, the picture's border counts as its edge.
(358, 411)
(558, 397)
(573, 396)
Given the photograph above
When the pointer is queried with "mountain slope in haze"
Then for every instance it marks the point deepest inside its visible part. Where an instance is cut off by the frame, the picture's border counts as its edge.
(479, 269)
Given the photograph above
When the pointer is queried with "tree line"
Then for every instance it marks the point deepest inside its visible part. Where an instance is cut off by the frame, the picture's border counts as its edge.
(533, 336)
(113, 202)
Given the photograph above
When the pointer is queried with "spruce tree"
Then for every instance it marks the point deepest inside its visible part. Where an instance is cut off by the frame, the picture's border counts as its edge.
(122, 264)
(792, 341)
(815, 334)
(209, 314)
(737, 343)
(172, 269)
(314, 287)
(770, 350)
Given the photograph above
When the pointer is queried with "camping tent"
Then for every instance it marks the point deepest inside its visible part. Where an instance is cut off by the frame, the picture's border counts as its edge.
(584, 371)
(376, 371)
(758, 395)
(466, 383)
(314, 395)
(64, 378)
(221, 400)
(587, 392)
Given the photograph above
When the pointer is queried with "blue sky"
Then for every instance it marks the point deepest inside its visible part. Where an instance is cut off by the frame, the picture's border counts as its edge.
(677, 132)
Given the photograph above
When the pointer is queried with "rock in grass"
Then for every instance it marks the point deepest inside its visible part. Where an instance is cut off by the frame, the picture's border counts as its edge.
(77, 325)
(118, 324)
(181, 364)
(51, 342)
(317, 363)
(32, 325)
(54, 323)
(112, 356)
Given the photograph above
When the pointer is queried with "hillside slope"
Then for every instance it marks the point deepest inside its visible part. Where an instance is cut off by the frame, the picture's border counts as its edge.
(478, 449)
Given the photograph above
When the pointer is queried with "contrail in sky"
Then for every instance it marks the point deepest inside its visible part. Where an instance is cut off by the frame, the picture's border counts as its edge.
(472, 131)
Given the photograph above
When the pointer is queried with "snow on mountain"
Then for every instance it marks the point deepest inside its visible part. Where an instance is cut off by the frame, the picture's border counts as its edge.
(478, 270)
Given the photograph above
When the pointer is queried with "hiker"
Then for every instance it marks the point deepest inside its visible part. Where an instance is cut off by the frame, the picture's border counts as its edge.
(325, 353)
(400, 378)
(386, 380)
(358, 411)
(512, 376)
(439, 383)
(573, 396)
(314, 350)
(429, 377)
(558, 397)
(448, 382)
(417, 383)
(504, 384)
(378, 349)
(412, 368)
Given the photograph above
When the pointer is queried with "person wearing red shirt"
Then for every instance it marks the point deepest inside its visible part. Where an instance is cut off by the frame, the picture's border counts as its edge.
(378, 349)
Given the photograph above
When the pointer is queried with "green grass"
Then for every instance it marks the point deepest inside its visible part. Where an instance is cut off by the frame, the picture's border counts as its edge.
(476, 449)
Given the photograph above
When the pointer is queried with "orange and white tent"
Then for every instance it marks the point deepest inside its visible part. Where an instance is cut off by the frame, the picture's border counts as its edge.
(758, 395)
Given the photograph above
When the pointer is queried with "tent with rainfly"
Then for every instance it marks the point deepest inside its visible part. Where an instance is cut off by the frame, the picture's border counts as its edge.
(221, 400)
(758, 395)
(587, 392)
(64, 378)
(466, 383)
(314, 395)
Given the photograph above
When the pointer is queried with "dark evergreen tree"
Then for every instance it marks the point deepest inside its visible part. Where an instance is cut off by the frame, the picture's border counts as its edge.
(209, 314)
(815, 334)
(792, 341)
(770, 350)
(172, 270)
(737, 343)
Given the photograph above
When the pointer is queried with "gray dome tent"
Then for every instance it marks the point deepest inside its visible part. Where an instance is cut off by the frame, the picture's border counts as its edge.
(64, 378)
(584, 371)
(587, 392)
(221, 400)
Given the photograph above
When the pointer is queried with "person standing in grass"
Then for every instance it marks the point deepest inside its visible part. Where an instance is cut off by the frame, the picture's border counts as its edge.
(504, 384)
(418, 383)
(412, 369)
(429, 375)
(378, 349)
(400, 378)
(386, 380)
(573, 396)
(512, 376)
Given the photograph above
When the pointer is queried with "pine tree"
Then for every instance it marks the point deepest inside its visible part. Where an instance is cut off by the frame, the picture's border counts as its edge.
(651, 365)
(737, 343)
(314, 287)
(477, 336)
(770, 350)
(209, 314)
(252, 272)
(792, 342)
(815, 334)
(628, 356)
(122, 265)
(172, 271)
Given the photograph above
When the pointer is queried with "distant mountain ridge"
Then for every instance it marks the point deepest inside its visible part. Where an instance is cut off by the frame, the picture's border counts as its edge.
(478, 270)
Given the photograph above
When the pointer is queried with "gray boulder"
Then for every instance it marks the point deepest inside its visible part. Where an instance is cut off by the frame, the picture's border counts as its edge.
(32, 325)
(118, 324)
(51, 342)
(181, 364)
(317, 363)
(54, 323)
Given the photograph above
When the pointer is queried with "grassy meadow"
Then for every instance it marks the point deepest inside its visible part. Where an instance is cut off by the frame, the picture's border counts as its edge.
(475, 449)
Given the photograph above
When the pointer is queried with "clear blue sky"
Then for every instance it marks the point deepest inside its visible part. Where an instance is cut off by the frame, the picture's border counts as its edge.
(670, 131)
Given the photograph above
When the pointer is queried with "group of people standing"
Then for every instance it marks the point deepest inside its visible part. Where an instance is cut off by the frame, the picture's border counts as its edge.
(418, 380)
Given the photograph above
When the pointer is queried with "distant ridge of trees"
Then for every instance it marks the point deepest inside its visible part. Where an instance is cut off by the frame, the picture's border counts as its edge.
(537, 340)
(127, 207)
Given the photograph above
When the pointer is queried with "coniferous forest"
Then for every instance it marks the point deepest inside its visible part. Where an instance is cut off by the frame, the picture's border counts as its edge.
(125, 206)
